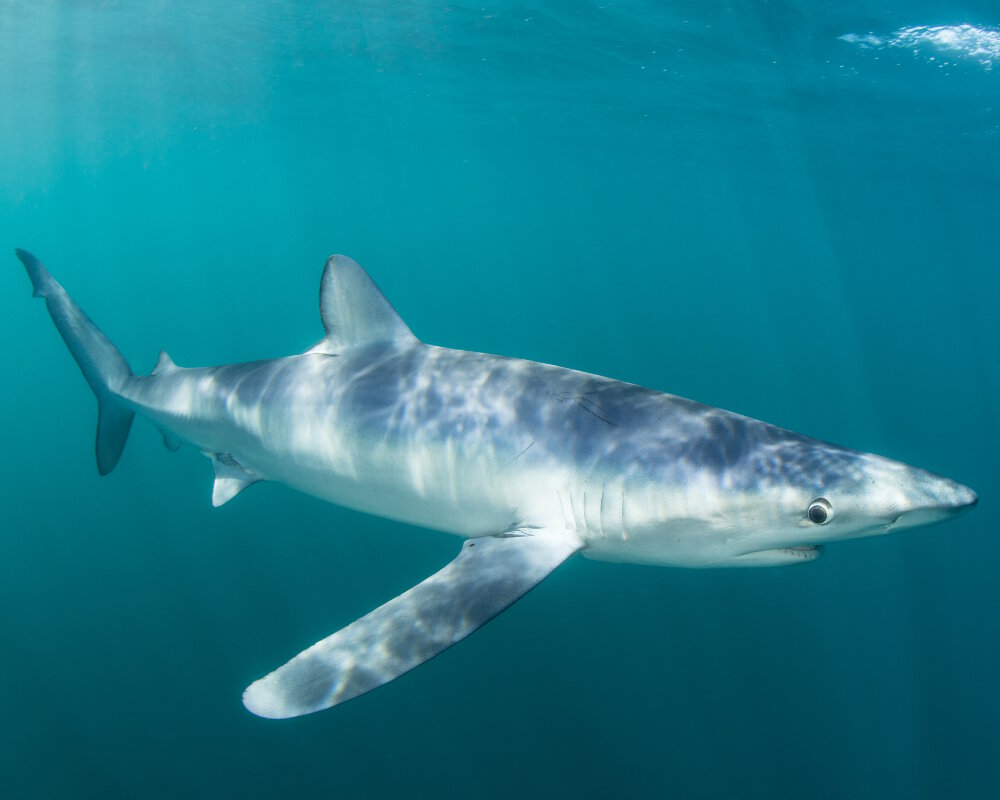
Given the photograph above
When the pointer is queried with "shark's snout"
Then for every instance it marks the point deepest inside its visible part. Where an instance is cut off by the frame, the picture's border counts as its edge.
(939, 499)
(965, 500)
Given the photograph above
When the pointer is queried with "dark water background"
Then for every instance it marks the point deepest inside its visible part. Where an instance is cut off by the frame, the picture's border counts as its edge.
(726, 201)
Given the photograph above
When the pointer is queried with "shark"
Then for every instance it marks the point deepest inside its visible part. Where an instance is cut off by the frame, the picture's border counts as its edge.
(528, 463)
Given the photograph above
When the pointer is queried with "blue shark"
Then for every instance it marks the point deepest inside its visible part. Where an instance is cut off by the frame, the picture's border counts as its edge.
(529, 463)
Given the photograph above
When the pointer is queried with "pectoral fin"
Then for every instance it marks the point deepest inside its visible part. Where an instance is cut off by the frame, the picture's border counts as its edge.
(488, 575)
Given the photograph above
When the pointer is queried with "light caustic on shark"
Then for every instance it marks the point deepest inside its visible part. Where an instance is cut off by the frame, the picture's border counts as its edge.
(528, 462)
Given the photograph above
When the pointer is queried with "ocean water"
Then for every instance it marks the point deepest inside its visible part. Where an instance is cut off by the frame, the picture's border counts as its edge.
(787, 209)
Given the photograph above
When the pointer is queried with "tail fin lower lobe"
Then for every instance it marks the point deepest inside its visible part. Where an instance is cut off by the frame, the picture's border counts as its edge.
(102, 365)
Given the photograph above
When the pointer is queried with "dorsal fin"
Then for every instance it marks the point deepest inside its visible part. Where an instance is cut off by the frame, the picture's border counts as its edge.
(163, 364)
(354, 311)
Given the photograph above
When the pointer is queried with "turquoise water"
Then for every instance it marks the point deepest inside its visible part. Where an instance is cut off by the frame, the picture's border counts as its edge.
(784, 209)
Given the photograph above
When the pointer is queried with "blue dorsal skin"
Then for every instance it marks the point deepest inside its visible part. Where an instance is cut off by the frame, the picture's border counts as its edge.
(528, 462)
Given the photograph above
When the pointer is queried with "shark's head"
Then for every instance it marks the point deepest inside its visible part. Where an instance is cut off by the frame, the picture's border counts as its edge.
(799, 493)
(755, 494)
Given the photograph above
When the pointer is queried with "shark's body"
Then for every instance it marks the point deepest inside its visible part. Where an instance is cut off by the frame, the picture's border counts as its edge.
(530, 462)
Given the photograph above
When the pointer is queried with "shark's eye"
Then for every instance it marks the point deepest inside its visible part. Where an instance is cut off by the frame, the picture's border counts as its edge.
(820, 511)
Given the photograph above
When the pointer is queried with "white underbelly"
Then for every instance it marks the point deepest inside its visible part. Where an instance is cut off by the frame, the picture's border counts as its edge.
(434, 485)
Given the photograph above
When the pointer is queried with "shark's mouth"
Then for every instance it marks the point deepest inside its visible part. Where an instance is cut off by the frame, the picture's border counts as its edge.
(805, 551)
(781, 556)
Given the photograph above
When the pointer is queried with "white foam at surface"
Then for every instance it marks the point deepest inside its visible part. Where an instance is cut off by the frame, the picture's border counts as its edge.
(958, 41)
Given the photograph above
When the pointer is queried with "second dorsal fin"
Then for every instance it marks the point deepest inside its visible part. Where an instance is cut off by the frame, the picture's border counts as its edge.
(354, 311)
(164, 364)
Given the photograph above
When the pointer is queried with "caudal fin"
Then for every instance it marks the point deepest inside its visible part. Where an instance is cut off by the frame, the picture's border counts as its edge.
(102, 365)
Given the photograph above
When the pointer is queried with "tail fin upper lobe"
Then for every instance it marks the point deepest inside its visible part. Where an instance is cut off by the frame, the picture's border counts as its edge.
(102, 365)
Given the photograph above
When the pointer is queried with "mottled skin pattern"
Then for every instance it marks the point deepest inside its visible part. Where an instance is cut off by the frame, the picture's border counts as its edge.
(473, 443)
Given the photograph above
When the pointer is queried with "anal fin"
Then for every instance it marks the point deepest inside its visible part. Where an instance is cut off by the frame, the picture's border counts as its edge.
(171, 442)
(231, 478)
(487, 576)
